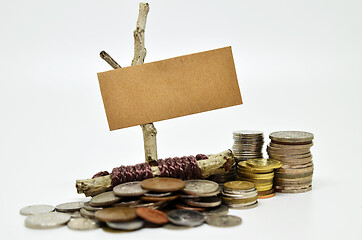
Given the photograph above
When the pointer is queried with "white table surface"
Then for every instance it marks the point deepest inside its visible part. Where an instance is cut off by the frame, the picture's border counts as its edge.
(298, 65)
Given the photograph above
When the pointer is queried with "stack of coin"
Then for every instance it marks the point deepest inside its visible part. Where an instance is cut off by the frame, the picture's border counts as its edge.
(199, 195)
(292, 148)
(261, 173)
(248, 144)
(240, 194)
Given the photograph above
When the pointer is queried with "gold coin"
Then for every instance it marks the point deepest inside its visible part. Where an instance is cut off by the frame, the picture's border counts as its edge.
(264, 164)
(239, 185)
(229, 200)
(243, 166)
(264, 188)
(258, 175)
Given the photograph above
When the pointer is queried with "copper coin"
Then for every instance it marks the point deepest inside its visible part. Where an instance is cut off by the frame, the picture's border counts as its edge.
(163, 184)
(187, 207)
(152, 215)
(267, 196)
(116, 214)
(262, 193)
(158, 199)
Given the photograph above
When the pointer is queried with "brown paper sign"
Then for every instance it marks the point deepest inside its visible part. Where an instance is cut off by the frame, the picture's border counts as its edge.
(169, 88)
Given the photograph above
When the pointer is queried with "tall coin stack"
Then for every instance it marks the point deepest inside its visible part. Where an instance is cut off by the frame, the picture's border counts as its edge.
(261, 173)
(248, 144)
(240, 194)
(292, 148)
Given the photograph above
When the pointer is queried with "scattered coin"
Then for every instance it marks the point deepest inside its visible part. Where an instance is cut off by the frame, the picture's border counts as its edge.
(88, 207)
(163, 184)
(88, 214)
(152, 215)
(172, 226)
(219, 210)
(83, 224)
(129, 189)
(155, 194)
(186, 218)
(203, 201)
(223, 221)
(36, 209)
(200, 187)
(157, 199)
(188, 207)
(128, 226)
(75, 214)
(47, 220)
(244, 206)
(127, 203)
(104, 199)
(116, 214)
(69, 207)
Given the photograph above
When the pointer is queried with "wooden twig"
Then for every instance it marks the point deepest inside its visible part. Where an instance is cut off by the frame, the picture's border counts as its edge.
(105, 56)
(215, 164)
(149, 131)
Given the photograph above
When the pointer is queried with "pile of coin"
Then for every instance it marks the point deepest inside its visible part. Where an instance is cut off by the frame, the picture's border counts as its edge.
(248, 144)
(240, 195)
(261, 173)
(292, 148)
(199, 195)
(167, 202)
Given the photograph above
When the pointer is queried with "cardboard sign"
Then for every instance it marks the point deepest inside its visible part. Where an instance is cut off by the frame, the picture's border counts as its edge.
(169, 88)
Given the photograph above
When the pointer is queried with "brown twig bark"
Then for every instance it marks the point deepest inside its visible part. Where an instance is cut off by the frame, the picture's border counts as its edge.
(149, 131)
(215, 164)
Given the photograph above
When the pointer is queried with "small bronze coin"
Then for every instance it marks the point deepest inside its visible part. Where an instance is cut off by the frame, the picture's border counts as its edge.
(163, 184)
(158, 199)
(152, 215)
(116, 214)
(187, 207)
(267, 196)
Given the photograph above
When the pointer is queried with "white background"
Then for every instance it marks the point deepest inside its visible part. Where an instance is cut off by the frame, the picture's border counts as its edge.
(298, 65)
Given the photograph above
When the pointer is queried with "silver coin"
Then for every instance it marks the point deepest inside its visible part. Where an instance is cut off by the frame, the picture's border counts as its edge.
(104, 199)
(156, 194)
(69, 207)
(172, 226)
(203, 201)
(83, 224)
(195, 187)
(243, 206)
(223, 221)
(75, 214)
(87, 214)
(219, 210)
(88, 207)
(36, 209)
(241, 195)
(247, 132)
(130, 203)
(47, 220)
(129, 189)
(211, 194)
(291, 136)
(186, 218)
(129, 226)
